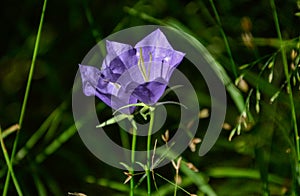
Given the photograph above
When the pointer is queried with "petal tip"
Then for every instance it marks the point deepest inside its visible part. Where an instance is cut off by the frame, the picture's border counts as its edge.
(156, 39)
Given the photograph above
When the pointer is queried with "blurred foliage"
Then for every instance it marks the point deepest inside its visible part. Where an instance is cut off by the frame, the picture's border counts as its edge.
(258, 161)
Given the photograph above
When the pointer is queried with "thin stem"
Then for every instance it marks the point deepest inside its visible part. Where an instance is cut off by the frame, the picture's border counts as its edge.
(286, 72)
(36, 47)
(176, 182)
(233, 66)
(133, 145)
(149, 149)
(10, 167)
(32, 66)
(170, 182)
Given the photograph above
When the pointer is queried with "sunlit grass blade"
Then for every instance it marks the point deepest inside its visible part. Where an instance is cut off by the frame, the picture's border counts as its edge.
(10, 130)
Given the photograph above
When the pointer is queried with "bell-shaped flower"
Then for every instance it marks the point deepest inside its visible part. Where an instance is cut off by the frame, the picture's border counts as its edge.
(132, 74)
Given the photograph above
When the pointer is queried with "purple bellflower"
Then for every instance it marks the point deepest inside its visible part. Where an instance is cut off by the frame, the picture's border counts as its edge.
(132, 74)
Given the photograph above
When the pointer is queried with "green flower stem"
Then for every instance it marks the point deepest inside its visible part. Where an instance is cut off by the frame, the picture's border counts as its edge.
(133, 145)
(148, 172)
(286, 72)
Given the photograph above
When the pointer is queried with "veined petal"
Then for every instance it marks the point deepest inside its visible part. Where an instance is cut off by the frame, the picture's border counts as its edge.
(175, 58)
(114, 50)
(156, 39)
(150, 92)
(95, 85)
(162, 55)
(122, 99)
(119, 56)
(90, 76)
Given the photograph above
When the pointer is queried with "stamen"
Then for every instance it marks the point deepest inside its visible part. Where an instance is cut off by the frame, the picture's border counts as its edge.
(150, 65)
(162, 68)
(141, 65)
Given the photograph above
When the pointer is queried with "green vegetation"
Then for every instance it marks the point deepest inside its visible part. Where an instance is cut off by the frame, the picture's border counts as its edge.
(254, 46)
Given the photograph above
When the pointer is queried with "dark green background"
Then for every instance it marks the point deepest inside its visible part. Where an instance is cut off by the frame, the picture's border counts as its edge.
(72, 28)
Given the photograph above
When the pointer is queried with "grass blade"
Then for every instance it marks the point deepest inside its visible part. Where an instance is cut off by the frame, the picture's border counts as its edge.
(114, 185)
(58, 142)
(199, 180)
(39, 133)
(10, 168)
(233, 172)
(10, 130)
(291, 99)
(233, 66)
(35, 51)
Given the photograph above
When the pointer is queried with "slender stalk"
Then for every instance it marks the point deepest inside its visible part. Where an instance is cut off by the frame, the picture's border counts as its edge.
(37, 41)
(170, 182)
(32, 66)
(286, 72)
(133, 145)
(10, 167)
(176, 182)
(149, 150)
(233, 66)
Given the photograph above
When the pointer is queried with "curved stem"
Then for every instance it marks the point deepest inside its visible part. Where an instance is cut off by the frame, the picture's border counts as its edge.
(149, 149)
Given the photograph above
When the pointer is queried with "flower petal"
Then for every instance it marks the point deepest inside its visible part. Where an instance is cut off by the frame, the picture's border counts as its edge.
(156, 47)
(123, 99)
(119, 56)
(174, 58)
(161, 55)
(149, 92)
(90, 76)
(114, 50)
(110, 93)
(156, 39)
